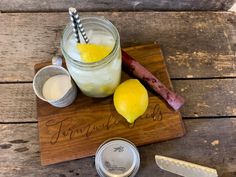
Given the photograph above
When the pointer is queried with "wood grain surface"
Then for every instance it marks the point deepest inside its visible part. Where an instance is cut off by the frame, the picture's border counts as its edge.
(195, 44)
(18, 101)
(78, 130)
(112, 5)
(206, 143)
(199, 48)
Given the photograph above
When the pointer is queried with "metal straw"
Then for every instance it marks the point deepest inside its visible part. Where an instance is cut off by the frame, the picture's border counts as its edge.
(77, 24)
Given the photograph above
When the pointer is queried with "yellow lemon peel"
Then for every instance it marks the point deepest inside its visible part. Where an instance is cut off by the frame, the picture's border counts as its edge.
(93, 52)
(131, 99)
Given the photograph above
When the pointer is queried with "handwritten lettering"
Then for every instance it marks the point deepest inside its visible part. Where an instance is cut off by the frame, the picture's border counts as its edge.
(71, 129)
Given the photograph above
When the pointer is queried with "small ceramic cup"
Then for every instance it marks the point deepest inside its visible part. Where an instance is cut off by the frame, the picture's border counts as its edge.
(49, 71)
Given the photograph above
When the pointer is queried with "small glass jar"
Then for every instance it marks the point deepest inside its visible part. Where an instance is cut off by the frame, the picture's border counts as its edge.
(96, 79)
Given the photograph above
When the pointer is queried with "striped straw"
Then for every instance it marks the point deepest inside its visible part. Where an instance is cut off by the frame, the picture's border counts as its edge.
(74, 24)
(77, 23)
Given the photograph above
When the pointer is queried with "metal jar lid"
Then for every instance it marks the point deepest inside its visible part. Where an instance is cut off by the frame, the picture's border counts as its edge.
(117, 157)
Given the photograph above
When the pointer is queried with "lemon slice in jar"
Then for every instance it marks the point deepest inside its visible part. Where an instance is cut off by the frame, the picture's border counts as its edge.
(93, 52)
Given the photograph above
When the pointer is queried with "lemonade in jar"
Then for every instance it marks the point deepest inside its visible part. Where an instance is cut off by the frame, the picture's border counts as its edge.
(95, 66)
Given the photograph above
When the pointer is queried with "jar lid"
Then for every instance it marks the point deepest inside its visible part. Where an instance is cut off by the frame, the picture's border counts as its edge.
(117, 157)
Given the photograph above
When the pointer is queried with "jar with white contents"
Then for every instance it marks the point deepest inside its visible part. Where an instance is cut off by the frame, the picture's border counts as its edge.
(96, 66)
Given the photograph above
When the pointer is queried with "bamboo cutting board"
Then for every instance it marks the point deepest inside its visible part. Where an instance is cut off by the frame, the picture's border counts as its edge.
(76, 131)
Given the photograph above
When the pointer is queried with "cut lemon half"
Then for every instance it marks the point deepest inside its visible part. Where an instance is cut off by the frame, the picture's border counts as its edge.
(93, 52)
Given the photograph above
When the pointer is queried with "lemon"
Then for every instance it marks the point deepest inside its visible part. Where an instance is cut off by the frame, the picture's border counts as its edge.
(93, 52)
(131, 99)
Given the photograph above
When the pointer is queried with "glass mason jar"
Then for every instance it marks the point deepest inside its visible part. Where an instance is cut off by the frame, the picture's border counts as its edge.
(96, 79)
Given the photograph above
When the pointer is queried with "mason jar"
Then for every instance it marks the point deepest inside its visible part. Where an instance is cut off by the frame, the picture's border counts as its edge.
(96, 79)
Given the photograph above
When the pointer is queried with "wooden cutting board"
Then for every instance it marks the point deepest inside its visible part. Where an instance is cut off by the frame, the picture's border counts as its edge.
(76, 131)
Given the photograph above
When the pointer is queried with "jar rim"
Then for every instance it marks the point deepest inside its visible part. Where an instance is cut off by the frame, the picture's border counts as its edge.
(106, 59)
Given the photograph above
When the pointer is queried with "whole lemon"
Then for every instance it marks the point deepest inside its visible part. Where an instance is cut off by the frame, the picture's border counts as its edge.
(131, 99)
